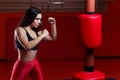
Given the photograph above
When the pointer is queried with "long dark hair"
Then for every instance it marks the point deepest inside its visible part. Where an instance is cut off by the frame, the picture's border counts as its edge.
(29, 17)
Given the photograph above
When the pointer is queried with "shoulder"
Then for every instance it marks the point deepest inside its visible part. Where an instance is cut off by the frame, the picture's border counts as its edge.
(19, 30)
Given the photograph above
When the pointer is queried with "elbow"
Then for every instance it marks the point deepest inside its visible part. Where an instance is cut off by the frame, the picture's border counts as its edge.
(54, 39)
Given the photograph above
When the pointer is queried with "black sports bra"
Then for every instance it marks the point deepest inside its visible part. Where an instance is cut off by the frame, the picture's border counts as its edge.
(19, 46)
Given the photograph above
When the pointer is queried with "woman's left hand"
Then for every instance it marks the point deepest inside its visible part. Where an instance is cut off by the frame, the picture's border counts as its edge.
(51, 20)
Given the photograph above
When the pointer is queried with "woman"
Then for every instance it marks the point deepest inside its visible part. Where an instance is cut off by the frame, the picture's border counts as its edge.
(27, 37)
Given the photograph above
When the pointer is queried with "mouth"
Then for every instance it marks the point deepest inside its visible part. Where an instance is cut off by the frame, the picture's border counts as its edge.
(37, 25)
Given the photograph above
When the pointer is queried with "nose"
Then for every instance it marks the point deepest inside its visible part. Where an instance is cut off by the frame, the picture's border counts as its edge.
(39, 21)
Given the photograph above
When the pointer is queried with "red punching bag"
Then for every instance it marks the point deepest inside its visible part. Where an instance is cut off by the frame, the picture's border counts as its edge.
(90, 26)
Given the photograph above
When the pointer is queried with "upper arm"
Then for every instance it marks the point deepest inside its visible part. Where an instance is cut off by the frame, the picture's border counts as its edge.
(20, 34)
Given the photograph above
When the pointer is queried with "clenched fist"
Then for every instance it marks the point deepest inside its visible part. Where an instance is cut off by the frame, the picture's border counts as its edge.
(51, 20)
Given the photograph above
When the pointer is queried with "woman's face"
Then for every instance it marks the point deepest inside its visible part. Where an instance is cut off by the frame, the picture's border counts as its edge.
(37, 21)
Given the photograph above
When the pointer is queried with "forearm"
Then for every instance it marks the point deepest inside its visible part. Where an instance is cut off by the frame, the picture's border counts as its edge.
(53, 31)
(34, 42)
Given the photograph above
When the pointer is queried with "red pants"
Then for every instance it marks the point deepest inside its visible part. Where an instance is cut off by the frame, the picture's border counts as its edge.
(21, 69)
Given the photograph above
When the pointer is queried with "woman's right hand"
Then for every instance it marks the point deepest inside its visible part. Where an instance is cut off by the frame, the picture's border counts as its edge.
(44, 33)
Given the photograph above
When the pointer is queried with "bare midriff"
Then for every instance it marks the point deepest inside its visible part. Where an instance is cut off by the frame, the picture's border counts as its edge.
(26, 55)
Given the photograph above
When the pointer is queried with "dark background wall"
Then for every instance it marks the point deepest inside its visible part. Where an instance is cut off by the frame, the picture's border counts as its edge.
(68, 44)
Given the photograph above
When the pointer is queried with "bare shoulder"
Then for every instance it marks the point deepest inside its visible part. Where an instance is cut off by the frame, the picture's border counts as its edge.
(19, 30)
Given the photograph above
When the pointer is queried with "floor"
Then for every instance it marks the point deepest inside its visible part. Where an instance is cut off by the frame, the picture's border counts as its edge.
(64, 70)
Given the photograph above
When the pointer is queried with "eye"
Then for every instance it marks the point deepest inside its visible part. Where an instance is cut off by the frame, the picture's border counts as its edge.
(38, 18)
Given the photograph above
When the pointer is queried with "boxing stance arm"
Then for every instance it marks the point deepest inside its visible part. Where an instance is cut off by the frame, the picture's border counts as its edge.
(22, 38)
(53, 35)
